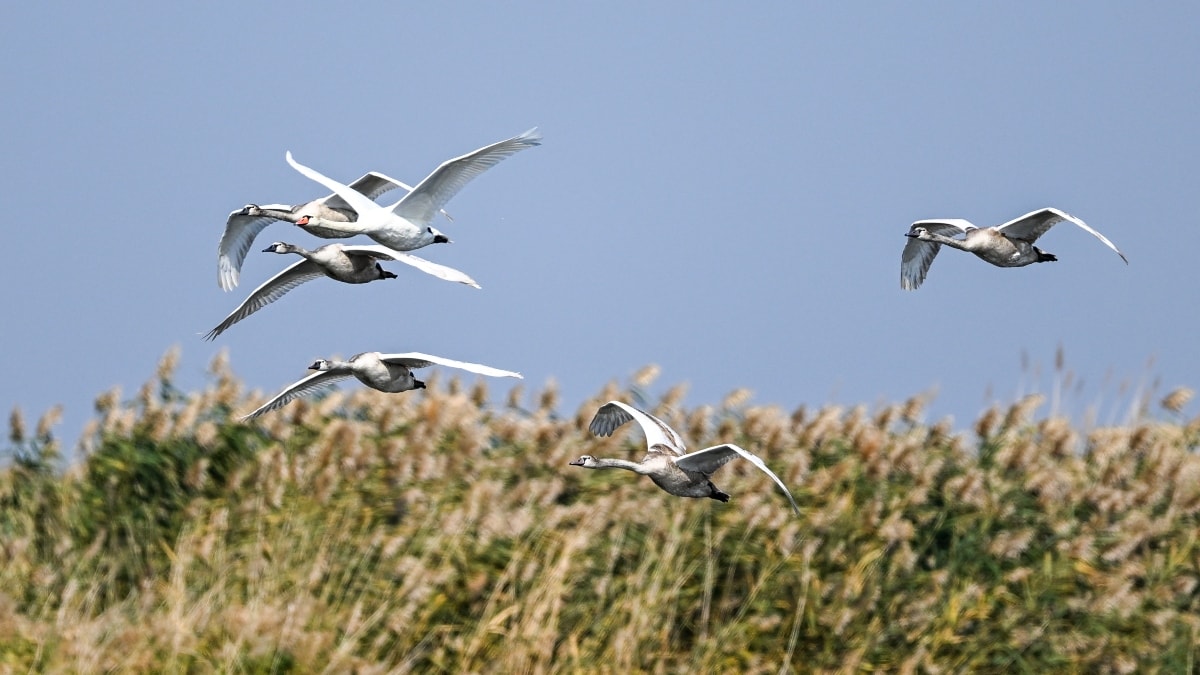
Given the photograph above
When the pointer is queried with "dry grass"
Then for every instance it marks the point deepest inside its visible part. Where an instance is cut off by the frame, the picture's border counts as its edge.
(427, 532)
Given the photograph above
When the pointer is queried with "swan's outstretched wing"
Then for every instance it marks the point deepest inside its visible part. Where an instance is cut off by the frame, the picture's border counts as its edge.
(708, 460)
(375, 184)
(240, 231)
(372, 186)
(271, 290)
(419, 360)
(385, 253)
(918, 255)
(431, 194)
(1036, 223)
(311, 384)
(352, 198)
(613, 414)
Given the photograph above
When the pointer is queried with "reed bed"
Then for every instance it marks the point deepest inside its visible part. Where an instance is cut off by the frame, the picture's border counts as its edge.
(433, 532)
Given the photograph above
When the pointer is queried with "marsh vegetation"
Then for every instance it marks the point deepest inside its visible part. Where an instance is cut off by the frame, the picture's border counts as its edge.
(435, 532)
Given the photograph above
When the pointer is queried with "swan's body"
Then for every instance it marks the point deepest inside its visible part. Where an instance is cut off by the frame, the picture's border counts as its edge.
(243, 225)
(345, 263)
(1007, 245)
(683, 475)
(405, 225)
(386, 372)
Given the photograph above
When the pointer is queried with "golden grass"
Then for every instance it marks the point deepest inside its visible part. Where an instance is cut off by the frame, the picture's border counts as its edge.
(428, 532)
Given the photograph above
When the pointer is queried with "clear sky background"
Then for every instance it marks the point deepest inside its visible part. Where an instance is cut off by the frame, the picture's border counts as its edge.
(722, 190)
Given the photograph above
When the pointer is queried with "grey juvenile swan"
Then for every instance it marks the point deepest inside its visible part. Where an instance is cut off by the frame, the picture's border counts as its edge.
(385, 372)
(349, 264)
(243, 225)
(405, 225)
(665, 463)
(1007, 245)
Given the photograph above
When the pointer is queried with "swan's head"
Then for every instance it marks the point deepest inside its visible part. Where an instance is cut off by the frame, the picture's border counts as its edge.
(586, 461)
(250, 210)
(277, 247)
(304, 220)
(320, 364)
(438, 237)
(918, 232)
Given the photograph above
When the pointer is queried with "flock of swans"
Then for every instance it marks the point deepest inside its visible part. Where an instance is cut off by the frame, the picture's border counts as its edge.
(349, 211)
(406, 225)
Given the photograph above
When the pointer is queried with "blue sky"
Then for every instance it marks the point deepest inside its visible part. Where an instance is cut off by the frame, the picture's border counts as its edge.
(722, 190)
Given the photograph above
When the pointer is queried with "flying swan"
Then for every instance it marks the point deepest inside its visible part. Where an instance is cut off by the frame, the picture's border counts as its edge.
(386, 372)
(683, 475)
(405, 225)
(1007, 245)
(345, 263)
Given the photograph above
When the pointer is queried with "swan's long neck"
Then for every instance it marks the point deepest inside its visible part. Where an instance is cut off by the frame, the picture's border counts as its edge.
(620, 464)
(299, 250)
(277, 214)
(348, 227)
(339, 366)
(948, 241)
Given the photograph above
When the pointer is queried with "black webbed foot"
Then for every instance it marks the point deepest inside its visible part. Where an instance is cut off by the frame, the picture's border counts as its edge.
(717, 494)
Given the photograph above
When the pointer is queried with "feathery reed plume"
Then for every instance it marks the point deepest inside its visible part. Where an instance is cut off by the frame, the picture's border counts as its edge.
(1018, 414)
(697, 424)
(167, 364)
(514, 396)
(16, 426)
(987, 425)
(736, 399)
(479, 392)
(646, 375)
(1177, 399)
(548, 398)
(914, 407)
(47, 421)
(673, 398)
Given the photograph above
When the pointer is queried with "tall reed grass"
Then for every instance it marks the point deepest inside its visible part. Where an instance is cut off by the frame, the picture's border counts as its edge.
(431, 532)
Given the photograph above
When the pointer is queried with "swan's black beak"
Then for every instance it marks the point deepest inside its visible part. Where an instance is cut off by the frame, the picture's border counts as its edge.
(912, 235)
(441, 239)
(269, 249)
(417, 384)
(576, 462)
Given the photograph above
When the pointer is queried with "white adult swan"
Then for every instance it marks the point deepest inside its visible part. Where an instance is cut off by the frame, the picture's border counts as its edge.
(349, 264)
(243, 225)
(385, 372)
(1007, 245)
(665, 462)
(405, 225)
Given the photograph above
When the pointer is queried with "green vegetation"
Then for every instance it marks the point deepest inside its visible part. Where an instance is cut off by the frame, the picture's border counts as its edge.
(429, 532)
